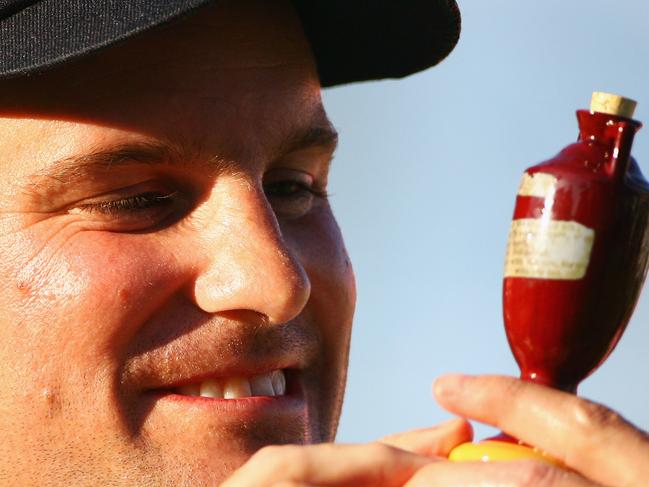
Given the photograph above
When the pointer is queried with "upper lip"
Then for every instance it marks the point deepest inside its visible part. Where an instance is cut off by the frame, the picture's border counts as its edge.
(239, 370)
(220, 349)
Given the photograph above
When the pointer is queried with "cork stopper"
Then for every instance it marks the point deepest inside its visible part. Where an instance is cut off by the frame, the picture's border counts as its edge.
(612, 104)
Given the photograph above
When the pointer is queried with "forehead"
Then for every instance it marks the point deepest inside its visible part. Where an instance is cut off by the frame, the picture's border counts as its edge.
(232, 76)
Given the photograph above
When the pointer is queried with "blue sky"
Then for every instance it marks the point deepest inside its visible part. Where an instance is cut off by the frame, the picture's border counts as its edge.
(423, 186)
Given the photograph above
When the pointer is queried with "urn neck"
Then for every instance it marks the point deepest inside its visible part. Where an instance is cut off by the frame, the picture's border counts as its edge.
(614, 134)
(604, 128)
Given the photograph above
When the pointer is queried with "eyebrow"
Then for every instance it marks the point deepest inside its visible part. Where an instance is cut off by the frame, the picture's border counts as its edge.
(74, 168)
(315, 136)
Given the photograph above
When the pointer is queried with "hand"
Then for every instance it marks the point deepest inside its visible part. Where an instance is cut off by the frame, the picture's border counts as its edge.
(389, 462)
(598, 445)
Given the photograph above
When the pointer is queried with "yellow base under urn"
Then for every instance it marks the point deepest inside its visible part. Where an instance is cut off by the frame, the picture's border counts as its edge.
(499, 451)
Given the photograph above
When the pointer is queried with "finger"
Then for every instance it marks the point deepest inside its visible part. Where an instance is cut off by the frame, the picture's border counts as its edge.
(437, 441)
(446, 474)
(291, 483)
(586, 436)
(329, 464)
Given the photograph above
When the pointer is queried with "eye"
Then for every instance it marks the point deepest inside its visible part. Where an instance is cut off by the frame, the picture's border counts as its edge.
(292, 193)
(144, 201)
(136, 211)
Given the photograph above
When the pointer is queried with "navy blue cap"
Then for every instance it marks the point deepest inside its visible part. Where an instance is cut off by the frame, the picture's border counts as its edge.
(352, 40)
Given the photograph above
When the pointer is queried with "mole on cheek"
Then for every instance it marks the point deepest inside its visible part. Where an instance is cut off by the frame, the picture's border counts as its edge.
(52, 402)
(123, 295)
(23, 288)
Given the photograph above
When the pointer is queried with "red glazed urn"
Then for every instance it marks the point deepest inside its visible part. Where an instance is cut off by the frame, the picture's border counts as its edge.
(577, 253)
(576, 261)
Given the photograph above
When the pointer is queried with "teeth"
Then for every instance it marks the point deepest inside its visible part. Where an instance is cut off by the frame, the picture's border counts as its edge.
(270, 384)
(190, 390)
(236, 387)
(211, 388)
(279, 382)
(262, 385)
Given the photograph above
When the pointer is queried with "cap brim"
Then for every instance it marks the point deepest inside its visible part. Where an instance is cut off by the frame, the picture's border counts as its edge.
(363, 40)
(351, 40)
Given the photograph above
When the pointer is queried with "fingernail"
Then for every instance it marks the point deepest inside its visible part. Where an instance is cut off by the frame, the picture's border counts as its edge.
(450, 386)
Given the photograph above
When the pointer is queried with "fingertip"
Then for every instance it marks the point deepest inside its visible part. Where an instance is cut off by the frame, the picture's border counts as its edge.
(449, 386)
(455, 432)
(465, 428)
(456, 424)
(459, 431)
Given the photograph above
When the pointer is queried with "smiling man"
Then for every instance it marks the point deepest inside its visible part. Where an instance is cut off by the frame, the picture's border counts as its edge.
(176, 293)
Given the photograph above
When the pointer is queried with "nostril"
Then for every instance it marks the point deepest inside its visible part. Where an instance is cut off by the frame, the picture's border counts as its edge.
(245, 316)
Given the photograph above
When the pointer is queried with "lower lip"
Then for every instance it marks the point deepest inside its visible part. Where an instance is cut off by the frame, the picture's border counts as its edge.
(241, 408)
(292, 402)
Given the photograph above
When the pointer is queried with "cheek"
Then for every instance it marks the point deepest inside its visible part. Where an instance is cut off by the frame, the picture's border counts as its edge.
(123, 279)
(319, 245)
(86, 296)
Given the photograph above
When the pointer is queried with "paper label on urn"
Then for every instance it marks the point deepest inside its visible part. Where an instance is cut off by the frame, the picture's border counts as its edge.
(539, 184)
(548, 249)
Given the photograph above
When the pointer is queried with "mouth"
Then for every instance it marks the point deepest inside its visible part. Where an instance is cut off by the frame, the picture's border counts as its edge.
(277, 393)
(269, 384)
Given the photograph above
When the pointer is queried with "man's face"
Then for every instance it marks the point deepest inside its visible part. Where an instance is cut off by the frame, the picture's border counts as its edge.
(164, 233)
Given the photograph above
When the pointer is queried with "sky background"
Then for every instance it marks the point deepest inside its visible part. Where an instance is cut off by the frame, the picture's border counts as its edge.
(424, 183)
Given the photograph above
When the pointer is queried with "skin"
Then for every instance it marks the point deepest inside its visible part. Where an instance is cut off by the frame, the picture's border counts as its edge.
(596, 445)
(242, 267)
(227, 261)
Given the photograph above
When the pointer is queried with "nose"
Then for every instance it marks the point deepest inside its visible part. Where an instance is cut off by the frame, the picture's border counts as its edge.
(248, 264)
